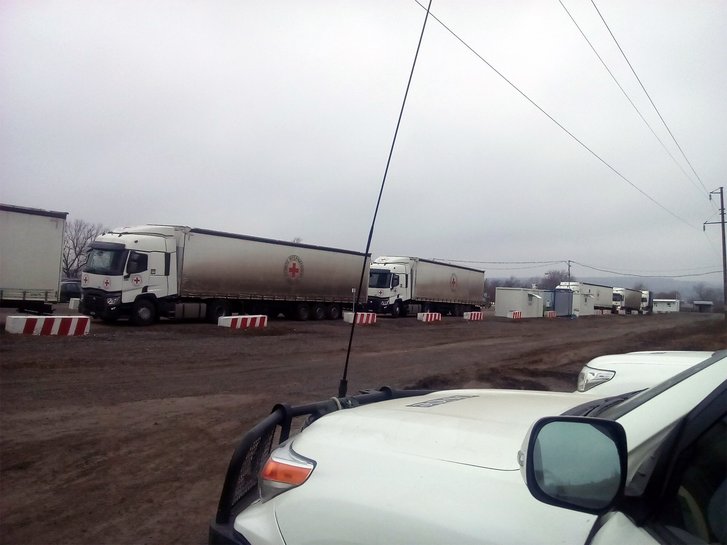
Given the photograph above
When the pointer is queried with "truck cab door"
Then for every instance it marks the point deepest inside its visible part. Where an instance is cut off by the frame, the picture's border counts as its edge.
(136, 279)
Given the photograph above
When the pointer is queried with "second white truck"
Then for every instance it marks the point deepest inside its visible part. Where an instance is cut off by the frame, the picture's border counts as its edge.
(154, 271)
(406, 285)
(625, 299)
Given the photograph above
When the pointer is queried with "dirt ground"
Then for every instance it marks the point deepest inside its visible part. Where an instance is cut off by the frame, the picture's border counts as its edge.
(123, 436)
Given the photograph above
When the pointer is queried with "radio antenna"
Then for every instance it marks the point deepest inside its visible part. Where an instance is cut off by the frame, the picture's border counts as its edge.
(343, 384)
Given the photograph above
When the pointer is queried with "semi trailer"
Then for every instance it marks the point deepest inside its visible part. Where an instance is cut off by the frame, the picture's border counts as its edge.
(31, 249)
(154, 271)
(627, 300)
(406, 285)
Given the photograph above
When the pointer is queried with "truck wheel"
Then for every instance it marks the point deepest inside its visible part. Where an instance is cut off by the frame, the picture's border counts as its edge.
(143, 312)
(396, 310)
(302, 312)
(319, 311)
(334, 312)
(217, 309)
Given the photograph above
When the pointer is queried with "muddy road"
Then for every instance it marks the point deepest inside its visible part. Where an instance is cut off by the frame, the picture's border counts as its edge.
(124, 436)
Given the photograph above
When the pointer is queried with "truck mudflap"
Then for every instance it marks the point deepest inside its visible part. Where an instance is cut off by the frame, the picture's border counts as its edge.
(240, 487)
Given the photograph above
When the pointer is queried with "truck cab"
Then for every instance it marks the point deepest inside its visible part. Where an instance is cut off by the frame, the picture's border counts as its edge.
(127, 273)
(389, 288)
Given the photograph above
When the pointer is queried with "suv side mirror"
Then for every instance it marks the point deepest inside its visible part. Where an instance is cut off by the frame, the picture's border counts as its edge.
(576, 462)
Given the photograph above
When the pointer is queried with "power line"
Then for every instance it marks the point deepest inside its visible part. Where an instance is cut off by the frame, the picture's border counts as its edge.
(552, 262)
(540, 264)
(649, 96)
(619, 273)
(629, 99)
(522, 93)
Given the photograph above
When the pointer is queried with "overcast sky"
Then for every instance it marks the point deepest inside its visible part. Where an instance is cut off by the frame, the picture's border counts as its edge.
(275, 119)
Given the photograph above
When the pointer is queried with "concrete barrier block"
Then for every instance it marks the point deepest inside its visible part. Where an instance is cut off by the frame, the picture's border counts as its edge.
(362, 318)
(73, 303)
(257, 321)
(48, 325)
(429, 317)
(515, 314)
(474, 316)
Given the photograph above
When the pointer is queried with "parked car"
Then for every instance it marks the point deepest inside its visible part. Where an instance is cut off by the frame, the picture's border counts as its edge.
(616, 374)
(69, 290)
(400, 467)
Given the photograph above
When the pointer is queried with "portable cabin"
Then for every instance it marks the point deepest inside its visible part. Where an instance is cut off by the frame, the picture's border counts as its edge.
(527, 301)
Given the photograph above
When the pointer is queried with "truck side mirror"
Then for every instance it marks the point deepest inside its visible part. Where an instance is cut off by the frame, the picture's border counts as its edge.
(575, 462)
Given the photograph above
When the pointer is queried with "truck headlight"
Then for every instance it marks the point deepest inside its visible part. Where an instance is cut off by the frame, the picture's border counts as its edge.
(113, 301)
(588, 378)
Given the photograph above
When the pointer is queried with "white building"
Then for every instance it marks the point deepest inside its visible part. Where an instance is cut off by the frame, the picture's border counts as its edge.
(663, 306)
(527, 301)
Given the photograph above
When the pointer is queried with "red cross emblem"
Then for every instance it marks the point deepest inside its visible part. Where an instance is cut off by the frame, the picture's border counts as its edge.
(106, 282)
(85, 279)
(137, 280)
(293, 268)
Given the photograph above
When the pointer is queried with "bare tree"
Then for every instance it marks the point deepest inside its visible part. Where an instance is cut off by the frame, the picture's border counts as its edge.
(76, 240)
(552, 278)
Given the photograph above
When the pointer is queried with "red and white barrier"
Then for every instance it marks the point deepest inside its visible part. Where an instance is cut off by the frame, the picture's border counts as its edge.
(474, 316)
(256, 321)
(48, 325)
(429, 316)
(362, 318)
(515, 314)
(550, 314)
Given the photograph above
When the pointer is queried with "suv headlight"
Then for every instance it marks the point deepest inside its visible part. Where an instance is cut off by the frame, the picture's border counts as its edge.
(588, 378)
(285, 469)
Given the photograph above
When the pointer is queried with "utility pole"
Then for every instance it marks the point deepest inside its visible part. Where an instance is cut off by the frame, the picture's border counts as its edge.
(724, 245)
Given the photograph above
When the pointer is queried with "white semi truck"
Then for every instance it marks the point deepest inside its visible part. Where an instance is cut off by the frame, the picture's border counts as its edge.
(405, 285)
(627, 300)
(602, 296)
(154, 271)
(31, 249)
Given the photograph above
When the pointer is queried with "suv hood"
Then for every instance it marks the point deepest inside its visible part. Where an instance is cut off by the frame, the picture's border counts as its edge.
(482, 428)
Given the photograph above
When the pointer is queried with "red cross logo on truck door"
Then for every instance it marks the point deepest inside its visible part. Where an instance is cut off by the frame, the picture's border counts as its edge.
(137, 280)
(106, 282)
(293, 268)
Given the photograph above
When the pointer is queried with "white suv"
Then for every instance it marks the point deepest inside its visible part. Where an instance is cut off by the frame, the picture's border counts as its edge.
(619, 373)
(445, 467)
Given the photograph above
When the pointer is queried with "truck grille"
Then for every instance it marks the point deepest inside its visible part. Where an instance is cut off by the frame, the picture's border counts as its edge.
(94, 302)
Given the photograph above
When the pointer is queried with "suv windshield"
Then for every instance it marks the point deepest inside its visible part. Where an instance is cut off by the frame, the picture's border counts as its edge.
(102, 261)
(379, 279)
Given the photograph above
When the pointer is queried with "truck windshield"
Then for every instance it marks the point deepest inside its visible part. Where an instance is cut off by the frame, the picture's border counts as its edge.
(379, 279)
(101, 261)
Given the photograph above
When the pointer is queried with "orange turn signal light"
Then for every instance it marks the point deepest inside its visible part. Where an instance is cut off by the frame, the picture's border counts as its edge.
(280, 472)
